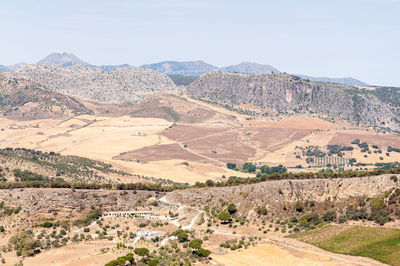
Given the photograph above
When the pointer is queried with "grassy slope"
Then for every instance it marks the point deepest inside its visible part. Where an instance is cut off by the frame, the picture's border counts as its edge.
(379, 243)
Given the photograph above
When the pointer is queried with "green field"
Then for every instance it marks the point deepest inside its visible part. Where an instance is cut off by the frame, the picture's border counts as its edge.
(379, 243)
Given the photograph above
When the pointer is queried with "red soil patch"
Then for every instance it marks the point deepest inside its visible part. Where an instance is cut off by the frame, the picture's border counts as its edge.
(272, 139)
(159, 153)
(298, 122)
(190, 132)
(225, 147)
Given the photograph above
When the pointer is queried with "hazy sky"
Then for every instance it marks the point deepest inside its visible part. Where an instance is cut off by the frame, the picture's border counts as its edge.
(358, 38)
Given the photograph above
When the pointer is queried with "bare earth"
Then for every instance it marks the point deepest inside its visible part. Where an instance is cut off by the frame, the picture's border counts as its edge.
(288, 252)
(191, 151)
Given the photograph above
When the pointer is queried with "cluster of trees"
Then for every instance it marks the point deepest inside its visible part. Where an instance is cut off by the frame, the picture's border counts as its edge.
(235, 181)
(122, 261)
(390, 149)
(25, 243)
(183, 236)
(280, 169)
(231, 181)
(337, 149)
(252, 168)
(28, 176)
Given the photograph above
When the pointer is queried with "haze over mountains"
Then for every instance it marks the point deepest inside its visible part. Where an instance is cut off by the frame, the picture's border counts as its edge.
(188, 68)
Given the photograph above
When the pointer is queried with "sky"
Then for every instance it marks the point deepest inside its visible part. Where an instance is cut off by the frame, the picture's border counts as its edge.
(333, 38)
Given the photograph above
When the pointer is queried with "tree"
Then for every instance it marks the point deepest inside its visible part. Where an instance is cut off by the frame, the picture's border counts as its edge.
(232, 208)
(210, 183)
(203, 252)
(181, 235)
(231, 165)
(195, 243)
(249, 167)
(224, 216)
(141, 252)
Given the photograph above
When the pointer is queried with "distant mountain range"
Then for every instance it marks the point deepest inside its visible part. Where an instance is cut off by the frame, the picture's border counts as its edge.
(188, 68)
(347, 81)
(250, 68)
(4, 68)
(64, 59)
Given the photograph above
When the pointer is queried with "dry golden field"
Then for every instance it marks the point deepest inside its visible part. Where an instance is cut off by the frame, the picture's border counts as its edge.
(195, 148)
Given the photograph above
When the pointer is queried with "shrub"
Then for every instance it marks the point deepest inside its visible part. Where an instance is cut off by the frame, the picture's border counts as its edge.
(342, 219)
(231, 208)
(262, 210)
(299, 206)
(329, 216)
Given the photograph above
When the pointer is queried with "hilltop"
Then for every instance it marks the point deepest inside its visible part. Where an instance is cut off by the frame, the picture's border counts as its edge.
(284, 94)
(23, 100)
(123, 85)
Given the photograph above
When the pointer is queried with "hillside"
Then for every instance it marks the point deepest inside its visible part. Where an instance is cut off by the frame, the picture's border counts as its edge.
(285, 94)
(123, 85)
(24, 100)
(389, 95)
(250, 68)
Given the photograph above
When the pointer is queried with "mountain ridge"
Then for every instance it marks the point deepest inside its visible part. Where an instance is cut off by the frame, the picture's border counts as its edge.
(183, 68)
(283, 93)
(120, 86)
(62, 59)
(345, 80)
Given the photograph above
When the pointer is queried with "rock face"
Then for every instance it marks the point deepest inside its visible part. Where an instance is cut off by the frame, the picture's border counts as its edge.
(62, 59)
(272, 193)
(24, 100)
(250, 68)
(284, 93)
(120, 86)
(190, 68)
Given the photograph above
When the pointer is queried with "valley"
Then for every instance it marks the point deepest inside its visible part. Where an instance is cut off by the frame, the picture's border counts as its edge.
(106, 166)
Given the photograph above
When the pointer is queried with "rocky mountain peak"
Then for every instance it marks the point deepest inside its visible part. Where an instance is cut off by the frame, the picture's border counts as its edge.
(62, 59)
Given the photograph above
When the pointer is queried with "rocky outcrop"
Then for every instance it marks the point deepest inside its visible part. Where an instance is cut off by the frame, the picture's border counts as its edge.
(24, 100)
(123, 85)
(277, 193)
(284, 93)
